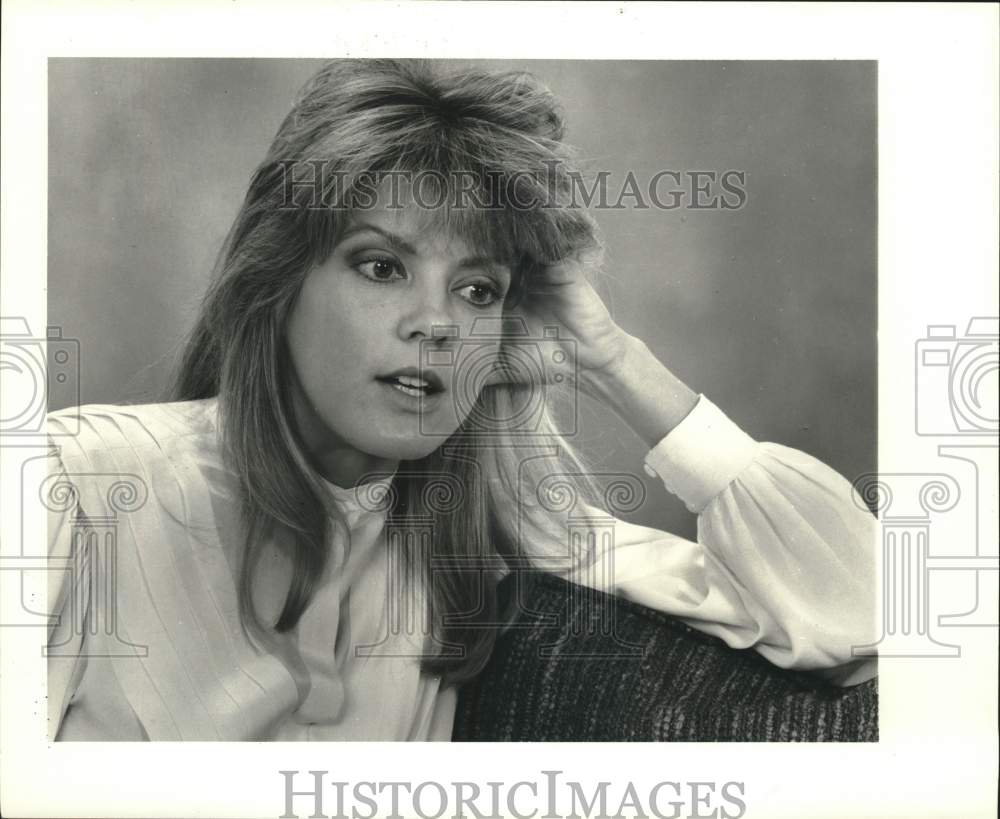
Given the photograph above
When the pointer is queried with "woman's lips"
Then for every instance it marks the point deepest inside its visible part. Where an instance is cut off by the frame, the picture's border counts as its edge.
(425, 379)
(410, 386)
(410, 398)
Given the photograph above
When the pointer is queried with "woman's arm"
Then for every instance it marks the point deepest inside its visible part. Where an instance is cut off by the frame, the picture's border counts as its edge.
(647, 396)
(789, 557)
(785, 559)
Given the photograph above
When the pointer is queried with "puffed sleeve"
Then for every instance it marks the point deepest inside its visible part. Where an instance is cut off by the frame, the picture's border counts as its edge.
(785, 558)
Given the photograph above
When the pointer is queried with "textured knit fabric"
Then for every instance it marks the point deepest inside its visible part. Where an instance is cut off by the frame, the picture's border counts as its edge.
(592, 667)
(784, 565)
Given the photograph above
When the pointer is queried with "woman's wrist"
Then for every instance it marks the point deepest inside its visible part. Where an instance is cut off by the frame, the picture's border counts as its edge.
(640, 389)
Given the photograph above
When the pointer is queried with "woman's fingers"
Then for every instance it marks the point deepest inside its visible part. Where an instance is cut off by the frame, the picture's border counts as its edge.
(573, 268)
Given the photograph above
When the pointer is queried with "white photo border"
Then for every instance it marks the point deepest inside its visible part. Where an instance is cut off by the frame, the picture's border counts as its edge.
(938, 211)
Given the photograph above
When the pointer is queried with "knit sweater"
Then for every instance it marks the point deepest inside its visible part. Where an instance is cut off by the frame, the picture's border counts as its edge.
(581, 665)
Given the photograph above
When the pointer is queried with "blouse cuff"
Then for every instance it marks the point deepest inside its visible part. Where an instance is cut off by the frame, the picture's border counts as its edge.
(701, 456)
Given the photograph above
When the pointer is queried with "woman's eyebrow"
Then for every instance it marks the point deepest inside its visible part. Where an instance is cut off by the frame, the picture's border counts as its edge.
(397, 242)
(483, 263)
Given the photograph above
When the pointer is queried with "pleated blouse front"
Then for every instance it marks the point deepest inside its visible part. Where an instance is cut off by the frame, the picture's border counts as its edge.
(176, 664)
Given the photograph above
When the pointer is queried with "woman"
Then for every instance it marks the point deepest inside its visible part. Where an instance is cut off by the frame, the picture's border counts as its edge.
(288, 568)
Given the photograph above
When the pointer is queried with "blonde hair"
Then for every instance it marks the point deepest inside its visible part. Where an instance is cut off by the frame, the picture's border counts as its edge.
(355, 118)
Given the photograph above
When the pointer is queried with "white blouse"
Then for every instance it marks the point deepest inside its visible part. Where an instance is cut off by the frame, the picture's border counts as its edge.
(154, 650)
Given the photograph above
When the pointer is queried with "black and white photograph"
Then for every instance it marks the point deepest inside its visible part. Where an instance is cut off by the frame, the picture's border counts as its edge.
(517, 407)
(375, 455)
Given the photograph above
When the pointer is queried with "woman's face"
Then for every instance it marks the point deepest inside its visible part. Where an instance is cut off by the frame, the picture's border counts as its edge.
(367, 315)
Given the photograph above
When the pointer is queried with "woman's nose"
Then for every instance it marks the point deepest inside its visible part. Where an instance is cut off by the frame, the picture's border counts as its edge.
(427, 317)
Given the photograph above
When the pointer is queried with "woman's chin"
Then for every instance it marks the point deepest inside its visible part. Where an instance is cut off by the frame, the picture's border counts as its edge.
(405, 447)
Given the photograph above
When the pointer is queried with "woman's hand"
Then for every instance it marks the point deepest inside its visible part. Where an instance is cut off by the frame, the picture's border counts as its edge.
(590, 352)
(564, 303)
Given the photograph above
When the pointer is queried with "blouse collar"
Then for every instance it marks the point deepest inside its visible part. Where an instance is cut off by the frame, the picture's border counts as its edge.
(370, 499)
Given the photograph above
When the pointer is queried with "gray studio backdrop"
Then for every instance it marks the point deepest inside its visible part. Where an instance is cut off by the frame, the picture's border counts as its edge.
(769, 309)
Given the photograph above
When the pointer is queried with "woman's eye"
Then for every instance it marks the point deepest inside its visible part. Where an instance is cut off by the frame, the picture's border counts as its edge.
(480, 295)
(379, 269)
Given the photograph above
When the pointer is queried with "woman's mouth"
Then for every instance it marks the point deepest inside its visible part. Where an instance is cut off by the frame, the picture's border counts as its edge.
(411, 382)
(411, 386)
